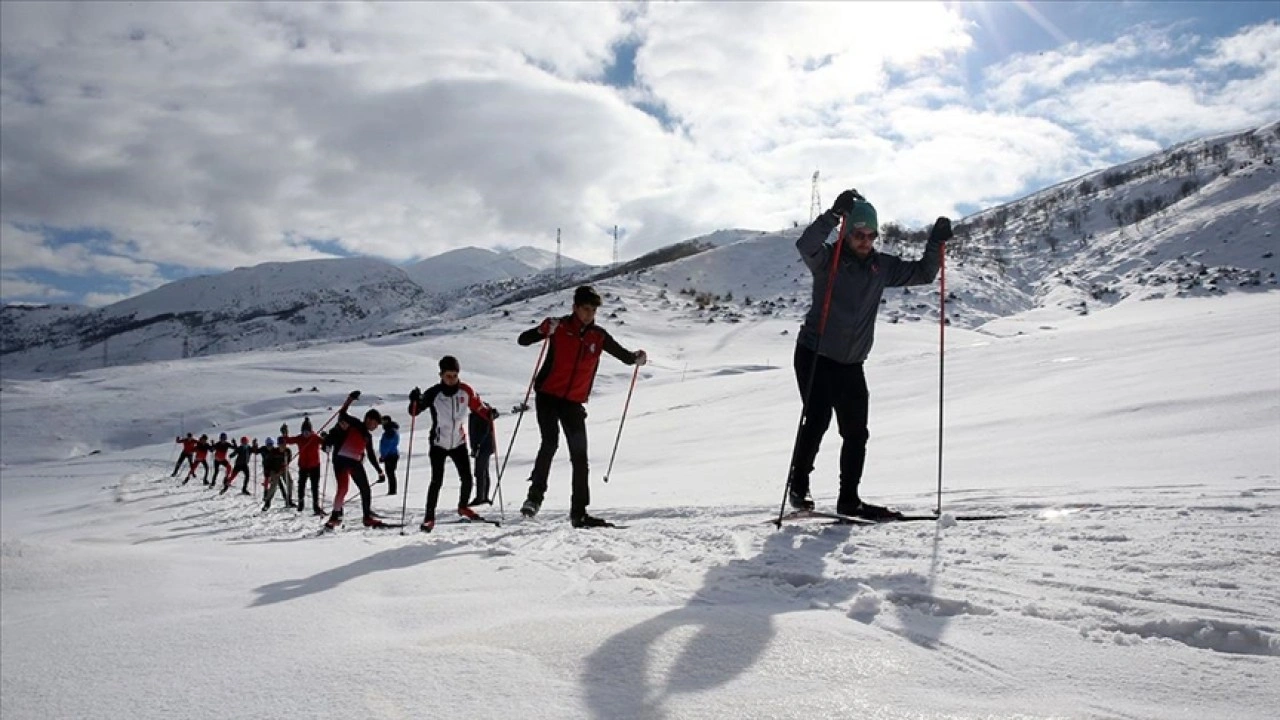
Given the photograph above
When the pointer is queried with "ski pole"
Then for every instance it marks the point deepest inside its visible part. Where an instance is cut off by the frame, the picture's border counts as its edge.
(324, 490)
(813, 370)
(634, 374)
(408, 463)
(942, 349)
(523, 408)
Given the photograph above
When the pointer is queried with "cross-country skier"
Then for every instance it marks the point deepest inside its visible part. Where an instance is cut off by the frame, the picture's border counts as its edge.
(352, 441)
(242, 453)
(389, 450)
(483, 446)
(188, 453)
(275, 459)
(308, 466)
(449, 401)
(563, 386)
(220, 462)
(838, 382)
(202, 459)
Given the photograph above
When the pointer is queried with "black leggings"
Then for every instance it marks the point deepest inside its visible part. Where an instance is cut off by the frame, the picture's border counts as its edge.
(461, 461)
(312, 474)
(837, 388)
(553, 414)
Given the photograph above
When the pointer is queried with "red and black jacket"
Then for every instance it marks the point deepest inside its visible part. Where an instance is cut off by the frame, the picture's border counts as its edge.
(573, 355)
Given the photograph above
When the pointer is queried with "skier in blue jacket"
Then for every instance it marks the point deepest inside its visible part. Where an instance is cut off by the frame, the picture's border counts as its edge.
(389, 451)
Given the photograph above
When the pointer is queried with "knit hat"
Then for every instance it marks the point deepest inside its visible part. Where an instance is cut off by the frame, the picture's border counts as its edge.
(862, 217)
(449, 363)
(270, 442)
(586, 295)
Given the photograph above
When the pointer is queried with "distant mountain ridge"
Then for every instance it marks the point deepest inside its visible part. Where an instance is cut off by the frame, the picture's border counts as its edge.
(473, 266)
(1197, 219)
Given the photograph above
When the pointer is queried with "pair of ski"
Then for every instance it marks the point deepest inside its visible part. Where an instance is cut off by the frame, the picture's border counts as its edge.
(838, 519)
(478, 520)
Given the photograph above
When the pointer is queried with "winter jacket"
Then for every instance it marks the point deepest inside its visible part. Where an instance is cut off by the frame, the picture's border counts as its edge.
(274, 459)
(242, 454)
(308, 449)
(389, 444)
(353, 440)
(202, 450)
(573, 355)
(449, 406)
(188, 445)
(220, 450)
(859, 285)
(480, 429)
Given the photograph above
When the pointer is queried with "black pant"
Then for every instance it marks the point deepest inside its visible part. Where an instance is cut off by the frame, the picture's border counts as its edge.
(184, 457)
(484, 453)
(553, 414)
(460, 461)
(312, 474)
(220, 465)
(389, 463)
(838, 388)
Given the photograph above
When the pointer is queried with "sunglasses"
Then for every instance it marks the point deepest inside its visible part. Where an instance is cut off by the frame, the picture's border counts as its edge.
(863, 234)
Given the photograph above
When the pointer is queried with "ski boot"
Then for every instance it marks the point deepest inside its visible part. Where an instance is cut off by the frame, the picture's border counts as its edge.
(530, 508)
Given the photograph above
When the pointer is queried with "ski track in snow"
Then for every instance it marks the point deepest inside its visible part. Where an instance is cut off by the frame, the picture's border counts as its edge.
(1211, 598)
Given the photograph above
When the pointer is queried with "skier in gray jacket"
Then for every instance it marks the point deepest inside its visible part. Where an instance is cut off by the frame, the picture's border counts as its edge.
(828, 358)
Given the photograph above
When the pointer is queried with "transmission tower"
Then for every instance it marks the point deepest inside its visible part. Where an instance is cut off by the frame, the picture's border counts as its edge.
(557, 253)
(815, 201)
(615, 244)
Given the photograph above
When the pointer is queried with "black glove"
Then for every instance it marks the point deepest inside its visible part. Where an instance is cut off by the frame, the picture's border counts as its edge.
(415, 397)
(941, 231)
(493, 413)
(845, 201)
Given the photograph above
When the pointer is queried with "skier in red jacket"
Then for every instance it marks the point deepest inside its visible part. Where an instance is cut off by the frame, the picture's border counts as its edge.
(188, 453)
(352, 441)
(308, 465)
(563, 385)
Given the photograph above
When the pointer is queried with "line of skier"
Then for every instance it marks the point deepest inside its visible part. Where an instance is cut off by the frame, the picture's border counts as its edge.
(834, 341)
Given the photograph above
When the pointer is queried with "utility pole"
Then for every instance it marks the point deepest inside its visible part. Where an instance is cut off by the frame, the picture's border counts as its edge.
(557, 254)
(815, 201)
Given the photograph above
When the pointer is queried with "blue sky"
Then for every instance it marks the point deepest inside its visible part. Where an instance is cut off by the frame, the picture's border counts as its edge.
(141, 143)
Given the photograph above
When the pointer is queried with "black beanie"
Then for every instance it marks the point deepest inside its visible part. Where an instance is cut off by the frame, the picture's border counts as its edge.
(449, 363)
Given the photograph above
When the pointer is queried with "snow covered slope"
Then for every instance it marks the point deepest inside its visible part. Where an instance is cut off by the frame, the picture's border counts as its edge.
(1136, 451)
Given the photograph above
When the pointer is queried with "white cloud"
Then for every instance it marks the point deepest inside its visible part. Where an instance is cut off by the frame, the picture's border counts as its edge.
(13, 286)
(213, 135)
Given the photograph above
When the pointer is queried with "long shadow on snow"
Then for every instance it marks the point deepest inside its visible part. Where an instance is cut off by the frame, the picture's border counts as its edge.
(734, 623)
(390, 559)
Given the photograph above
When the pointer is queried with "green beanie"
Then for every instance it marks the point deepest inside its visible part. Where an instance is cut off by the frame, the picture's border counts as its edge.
(863, 216)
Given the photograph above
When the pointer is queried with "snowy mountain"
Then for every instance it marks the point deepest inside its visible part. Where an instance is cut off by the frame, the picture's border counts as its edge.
(457, 269)
(540, 259)
(263, 306)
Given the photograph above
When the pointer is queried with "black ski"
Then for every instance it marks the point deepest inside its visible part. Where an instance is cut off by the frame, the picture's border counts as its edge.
(469, 521)
(839, 519)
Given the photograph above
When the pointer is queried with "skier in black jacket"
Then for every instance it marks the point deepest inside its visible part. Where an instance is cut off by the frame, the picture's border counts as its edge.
(829, 355)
